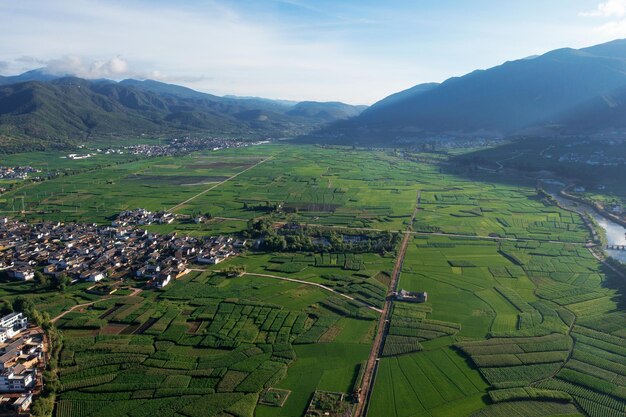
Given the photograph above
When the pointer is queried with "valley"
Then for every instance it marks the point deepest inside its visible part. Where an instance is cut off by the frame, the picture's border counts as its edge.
(519, 313)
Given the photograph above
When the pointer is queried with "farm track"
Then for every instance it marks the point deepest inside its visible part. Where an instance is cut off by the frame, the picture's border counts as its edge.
(315, 284)
(136, 291)
(179, 205)
(367, 383)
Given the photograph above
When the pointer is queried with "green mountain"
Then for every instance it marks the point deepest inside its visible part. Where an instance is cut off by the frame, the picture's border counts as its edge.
(526, 95)
(61, 112)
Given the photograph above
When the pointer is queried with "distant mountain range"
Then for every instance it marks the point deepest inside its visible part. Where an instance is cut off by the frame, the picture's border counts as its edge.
(40, 111)
(563, 92)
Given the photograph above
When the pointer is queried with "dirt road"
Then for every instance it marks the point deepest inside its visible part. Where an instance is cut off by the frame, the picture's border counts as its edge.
(368, 376)
(315, 284)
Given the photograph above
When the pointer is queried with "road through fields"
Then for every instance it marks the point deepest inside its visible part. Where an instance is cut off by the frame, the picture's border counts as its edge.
(179, 205)
(367, 384)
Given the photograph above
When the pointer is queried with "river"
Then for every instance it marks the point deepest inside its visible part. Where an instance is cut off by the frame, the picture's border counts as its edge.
(615, 233)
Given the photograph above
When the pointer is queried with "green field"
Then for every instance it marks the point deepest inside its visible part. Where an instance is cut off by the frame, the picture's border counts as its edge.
(520, 315)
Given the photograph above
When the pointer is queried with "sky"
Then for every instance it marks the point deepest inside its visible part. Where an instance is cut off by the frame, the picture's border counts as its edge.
(355, 51)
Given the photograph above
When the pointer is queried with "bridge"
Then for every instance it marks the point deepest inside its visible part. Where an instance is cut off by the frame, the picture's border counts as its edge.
(616, 247)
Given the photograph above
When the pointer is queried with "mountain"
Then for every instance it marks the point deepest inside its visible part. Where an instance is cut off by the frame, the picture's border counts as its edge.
(513, 97)
(601, 114)
(286, 103)
(46, 112)
(325, 111)
(402, 95)
(33, 75)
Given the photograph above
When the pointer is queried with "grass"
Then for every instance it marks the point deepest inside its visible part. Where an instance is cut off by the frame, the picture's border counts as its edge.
(335, 372)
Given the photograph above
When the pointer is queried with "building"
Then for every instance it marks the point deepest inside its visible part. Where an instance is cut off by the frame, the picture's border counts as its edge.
(411, 297)
(22, 404)
(23, 273)
(11, 325)
(17, 379)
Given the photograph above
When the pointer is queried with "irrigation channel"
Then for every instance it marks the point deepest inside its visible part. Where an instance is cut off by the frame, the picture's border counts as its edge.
(615, 233)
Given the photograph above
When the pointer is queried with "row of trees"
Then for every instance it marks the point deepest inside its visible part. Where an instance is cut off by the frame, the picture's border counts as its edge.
(296, 238)
(60, 281)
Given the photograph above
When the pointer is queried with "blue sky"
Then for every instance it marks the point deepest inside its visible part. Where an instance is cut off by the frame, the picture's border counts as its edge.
(357, 51)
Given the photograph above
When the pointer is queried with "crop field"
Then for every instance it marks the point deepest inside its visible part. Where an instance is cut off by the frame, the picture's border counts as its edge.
(539, 321)
(219, 350)
(154, 184)
(520, 315)
(314, 185)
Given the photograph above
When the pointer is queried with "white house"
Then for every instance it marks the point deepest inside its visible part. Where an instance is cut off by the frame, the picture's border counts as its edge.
(21, 273)
(95, 276)
(11, 325)
(10, 381)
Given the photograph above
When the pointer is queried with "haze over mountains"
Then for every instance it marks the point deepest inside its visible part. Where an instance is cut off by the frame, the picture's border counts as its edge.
(563, 92)
(566, 91)
(38, 110)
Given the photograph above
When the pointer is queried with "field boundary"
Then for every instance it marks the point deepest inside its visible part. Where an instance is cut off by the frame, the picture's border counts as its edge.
(177, 206)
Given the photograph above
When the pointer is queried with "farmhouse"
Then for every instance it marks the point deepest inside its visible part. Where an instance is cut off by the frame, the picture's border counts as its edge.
(11, 325)
(23, 402)
(23, 273)
(412, 297)
(17, 379)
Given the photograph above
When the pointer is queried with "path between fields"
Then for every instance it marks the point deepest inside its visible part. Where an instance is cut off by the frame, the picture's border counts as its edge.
(218, 184)
(135, 292)
(315, 284)
(367, 384)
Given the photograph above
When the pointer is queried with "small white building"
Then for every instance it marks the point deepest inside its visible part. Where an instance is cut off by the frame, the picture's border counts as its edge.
(95, 276)
(22, 273)
(22, 404)
(10, 381)
(11, 325)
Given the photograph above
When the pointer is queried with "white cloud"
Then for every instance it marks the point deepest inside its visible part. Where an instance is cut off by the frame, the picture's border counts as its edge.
(115, 68)
(609, 8)
(612, 30)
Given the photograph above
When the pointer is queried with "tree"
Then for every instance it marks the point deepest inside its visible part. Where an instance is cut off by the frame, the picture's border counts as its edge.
(23, 305)
(235, 270)
(62, 281)
(41, 280)
(6, 308)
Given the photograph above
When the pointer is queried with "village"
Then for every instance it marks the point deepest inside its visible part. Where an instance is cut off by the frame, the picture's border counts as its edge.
(88, 252)
(174, 146)
(17, 172)
(22, 359)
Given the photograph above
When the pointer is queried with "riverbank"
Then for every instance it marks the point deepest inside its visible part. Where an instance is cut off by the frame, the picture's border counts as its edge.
(599, 209)
(604, 230)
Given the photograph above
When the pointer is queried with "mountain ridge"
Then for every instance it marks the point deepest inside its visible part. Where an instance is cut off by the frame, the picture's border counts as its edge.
(41, 112)
(516, 96)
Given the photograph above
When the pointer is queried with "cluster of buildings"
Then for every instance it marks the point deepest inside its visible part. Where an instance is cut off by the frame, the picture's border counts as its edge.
(21, 355)
(79, 156)
(411, 297)
(17, 173)
(141, 217)
(598, 158)
(91, 252)
(616, 209)
(178, 146)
